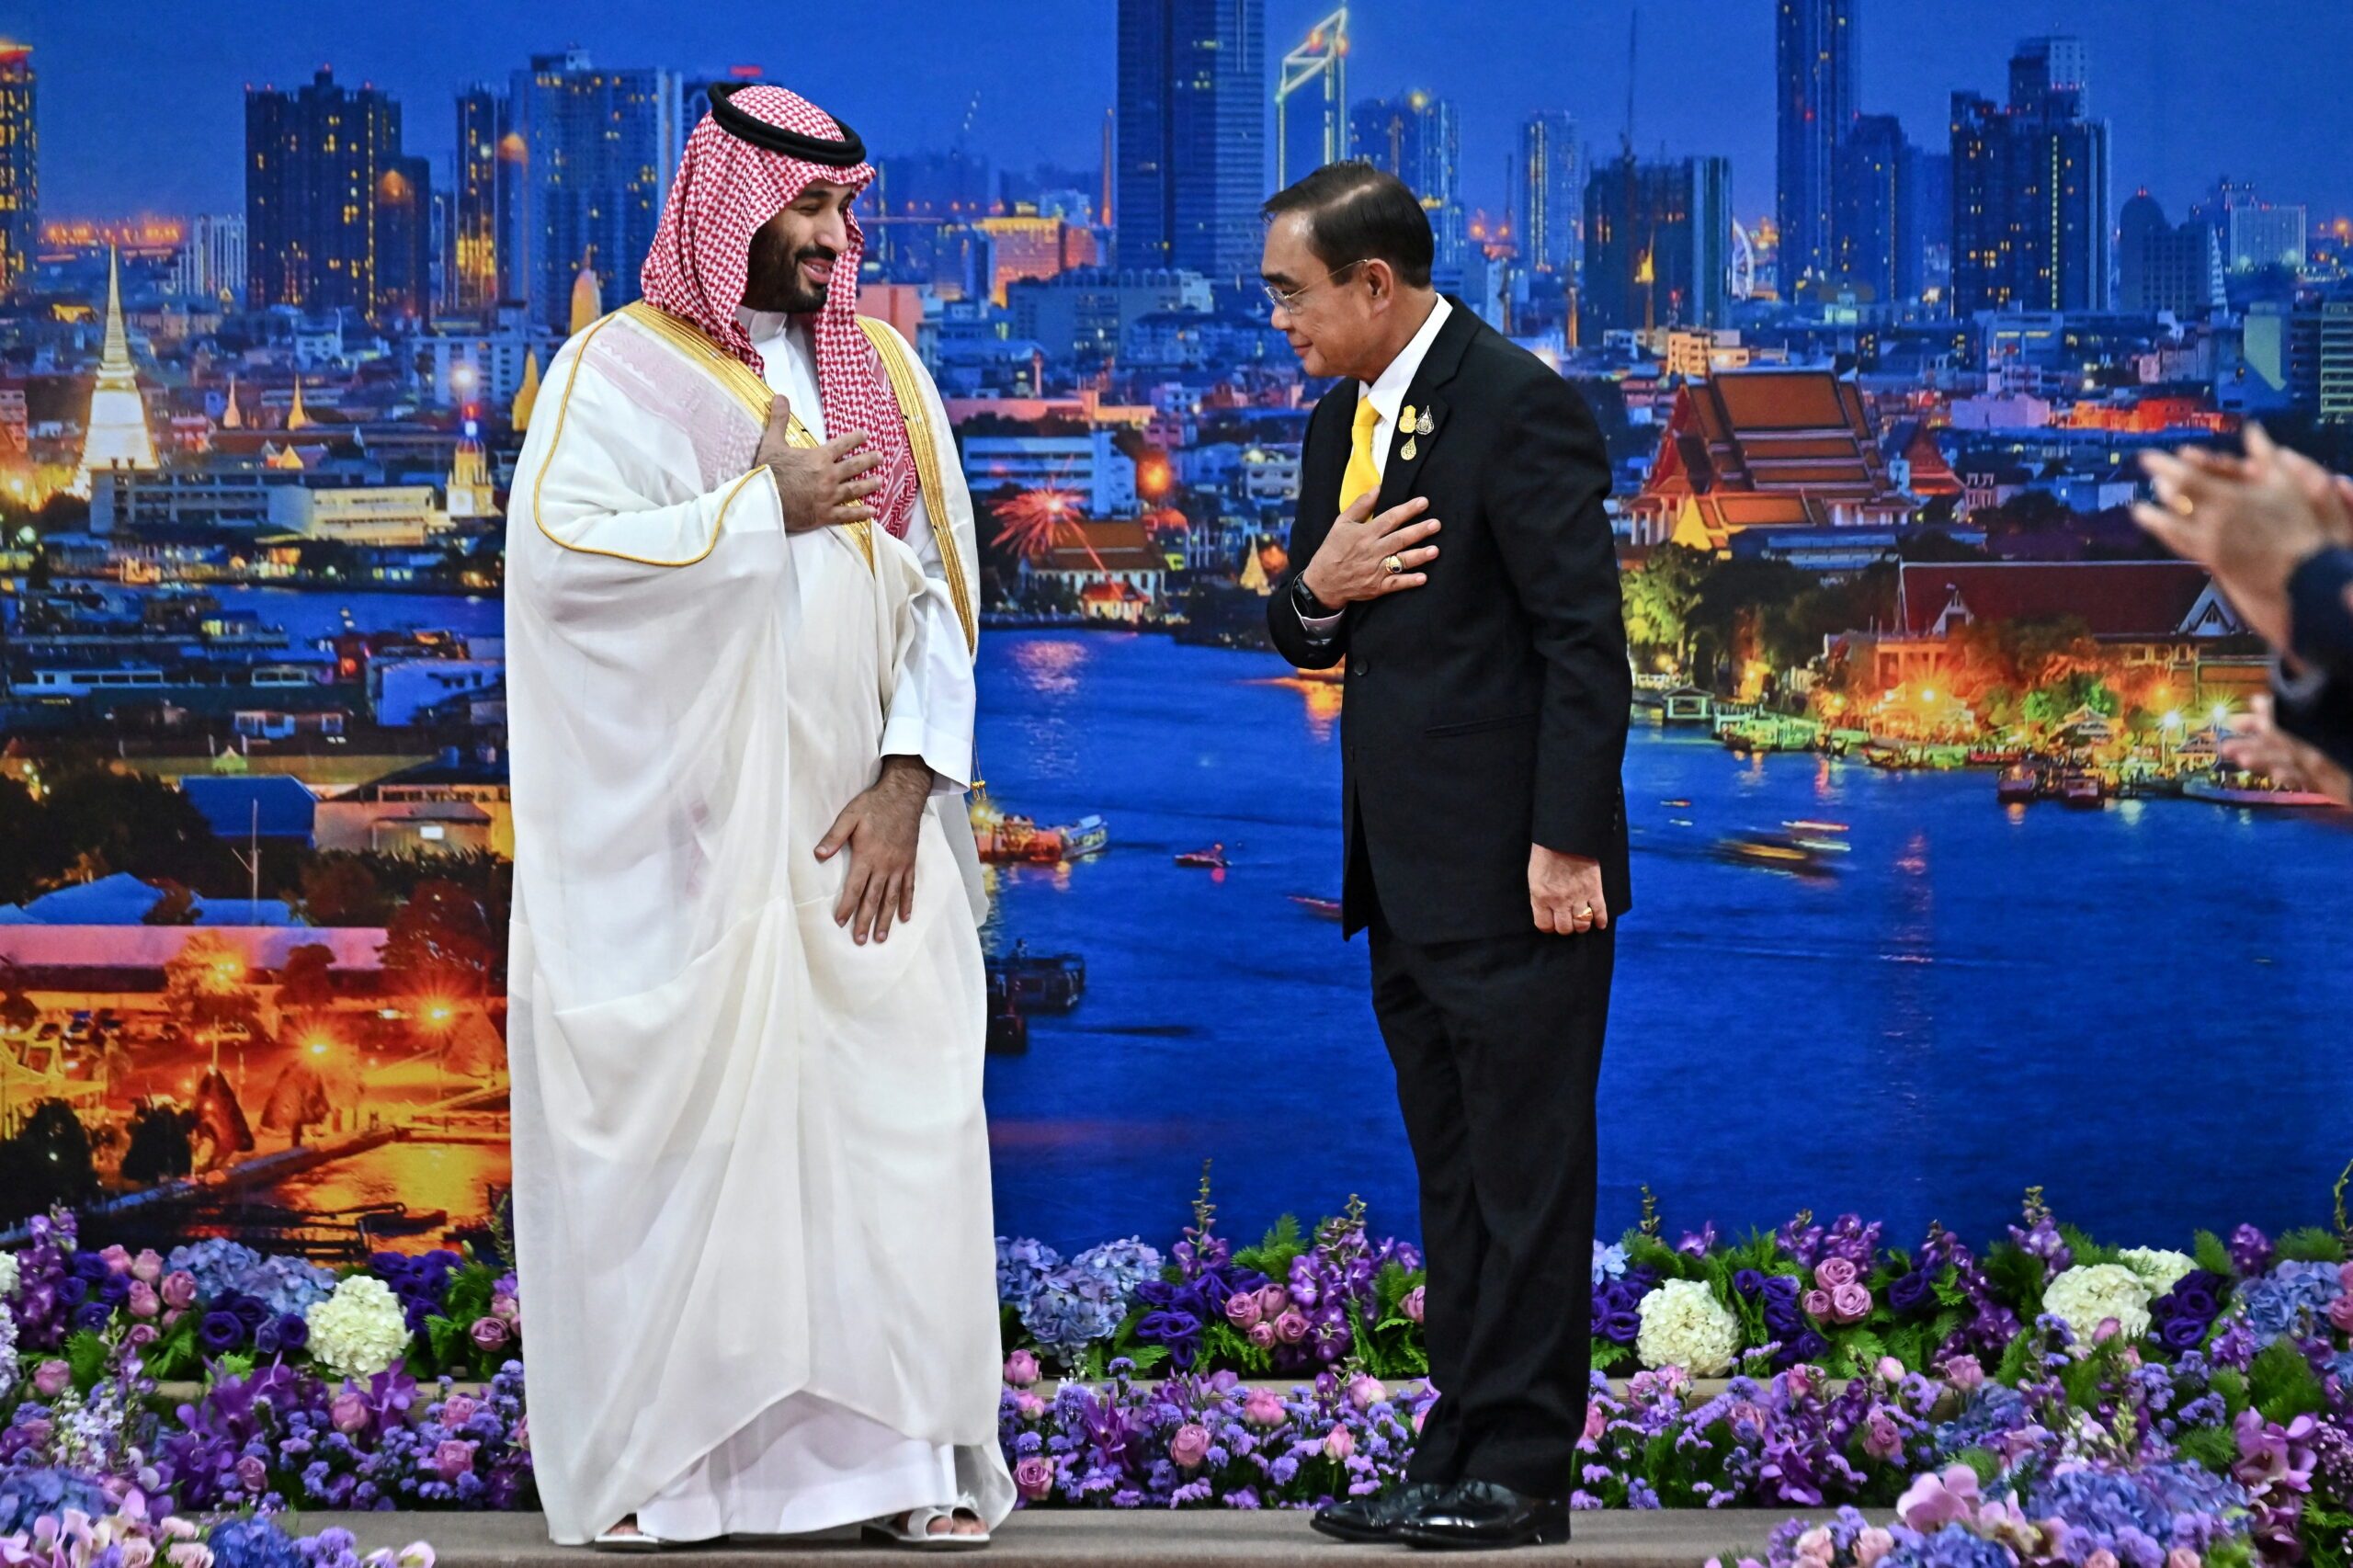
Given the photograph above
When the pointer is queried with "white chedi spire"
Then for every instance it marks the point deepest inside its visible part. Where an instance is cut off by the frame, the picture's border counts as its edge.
(115, 436)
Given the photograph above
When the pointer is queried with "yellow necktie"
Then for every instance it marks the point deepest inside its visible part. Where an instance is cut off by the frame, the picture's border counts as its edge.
(1362, 478)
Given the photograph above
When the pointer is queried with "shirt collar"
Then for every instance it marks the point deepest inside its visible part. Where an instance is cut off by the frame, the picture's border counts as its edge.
(761, 327)
(1388, 389)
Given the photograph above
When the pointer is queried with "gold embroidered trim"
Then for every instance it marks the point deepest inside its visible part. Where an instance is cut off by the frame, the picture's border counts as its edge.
(900, 368)
(564, 406)
(737, 377)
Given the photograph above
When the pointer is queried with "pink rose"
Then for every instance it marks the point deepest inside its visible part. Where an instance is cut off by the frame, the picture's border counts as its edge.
(1339, 1443)
(1034, 1477)
(179, 1288)
(1871, 1545)
(1273, 1300)
(1366, 1391)
(1964, 1373)
(1890, 1371)
(1833, 1272)
(490, 1334)
(1412, 1305)
(143, 1302)
(2101, 1557)
(1264, 1408)
(2108, 1329)
(506, 1309)
(1802, 1380)
(1028, 1406)
(1262, 1334)
(2181, 1557)
(148, 1266)
(1241, 1310)
(1817, 1305)
(141, 1333)
(1021, 1369)
(452, 1458)
(2340, 1314)
(1880, 1440)
(1190, 1446)
(1291, 1327)
(171, 1316)
(117, 1259)
(350, 1413)
(1815, 1548)
(52, 1378)
(457, 1410)
(1849, 1303)
(1596, 1419)
(252, 1474)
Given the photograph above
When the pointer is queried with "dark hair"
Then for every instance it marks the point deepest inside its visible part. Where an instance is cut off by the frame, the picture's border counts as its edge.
(1357, 213)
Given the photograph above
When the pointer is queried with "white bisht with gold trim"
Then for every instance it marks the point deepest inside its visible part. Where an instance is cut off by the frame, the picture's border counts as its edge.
(750, 1168)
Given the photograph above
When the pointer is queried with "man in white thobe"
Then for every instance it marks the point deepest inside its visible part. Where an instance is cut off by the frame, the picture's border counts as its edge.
(747, 999)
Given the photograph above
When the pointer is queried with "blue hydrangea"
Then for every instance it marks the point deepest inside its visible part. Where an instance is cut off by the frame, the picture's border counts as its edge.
(1122, 1265)
(289, 1285)
(27, 1494)
(217, 1262)
(1022, 1265)
(252, 1543)
(2343, 1367)
(1070, 1309)
(1608, 1262)
(2292, 1293)
(1995, 1408)
(1951, 1547)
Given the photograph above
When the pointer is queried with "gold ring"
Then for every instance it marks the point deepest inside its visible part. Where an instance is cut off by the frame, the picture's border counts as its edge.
(1585, 914)
(1395, 564)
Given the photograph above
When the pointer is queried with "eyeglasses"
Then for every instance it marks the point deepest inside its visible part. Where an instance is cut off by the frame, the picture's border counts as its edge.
(1289, 302)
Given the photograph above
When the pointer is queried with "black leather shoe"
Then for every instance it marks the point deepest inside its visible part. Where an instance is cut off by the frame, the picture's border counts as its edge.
(1375, 1518)
(1484, 1513)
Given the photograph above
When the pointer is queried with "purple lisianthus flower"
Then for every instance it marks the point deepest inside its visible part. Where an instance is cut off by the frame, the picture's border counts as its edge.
(220, 1331)
(293, 1331)
(93, 1317)
(1910, 1292)
(1749, 1284)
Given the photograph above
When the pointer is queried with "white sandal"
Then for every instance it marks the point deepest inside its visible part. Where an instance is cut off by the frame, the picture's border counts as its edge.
(636, 1538)
(915, 1533)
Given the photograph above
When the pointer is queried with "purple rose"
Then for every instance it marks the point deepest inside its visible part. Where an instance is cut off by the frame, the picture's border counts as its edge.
(252, 1474)
(452, 1458)
(1817, 1303)
(1833, 1272)
(148, 1266)
(1880, 1440)
(117, 1259)
(1339, 1443)
(1850, 1302)
(1964, 1374)
(1262, 1334)
(458, 1409)
(350, 1413)
(141, 1333)
(1273, 1300)
(51, 1378)
(1413, 1304)
(490, 1334)
(179, 1288)
(1034, 1477)
(145, 1302)
(1291, 1327)
(1021, 1369)
(1241, 1310)
(506, 1308)
(1263, 1408)
(1189, 1446)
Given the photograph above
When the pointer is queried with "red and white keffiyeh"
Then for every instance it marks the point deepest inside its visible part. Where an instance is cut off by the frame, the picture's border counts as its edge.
(725, 190)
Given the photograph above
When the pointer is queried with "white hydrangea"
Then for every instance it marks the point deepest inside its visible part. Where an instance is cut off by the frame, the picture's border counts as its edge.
(7, 1275)
(1683, 1325)
(2160, 1268)
(2082, 1298)
(360, 1330)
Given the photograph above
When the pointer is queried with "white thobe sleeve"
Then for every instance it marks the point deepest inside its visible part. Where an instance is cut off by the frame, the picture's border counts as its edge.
(932, 705)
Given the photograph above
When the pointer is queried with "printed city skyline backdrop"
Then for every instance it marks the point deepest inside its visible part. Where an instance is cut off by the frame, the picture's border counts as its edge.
(1944, 890)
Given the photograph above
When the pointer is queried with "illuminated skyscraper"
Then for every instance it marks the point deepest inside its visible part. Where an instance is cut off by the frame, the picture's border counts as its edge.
(489, 200)
(1551, 164)
(1416, 138)
(598, 150)
(2031, 216)
(211, 262)
(1192, 135)
(1312, 102)
(1815, 78)
(1658, 244)
(337, 217)
(115, 435)
(19, 163)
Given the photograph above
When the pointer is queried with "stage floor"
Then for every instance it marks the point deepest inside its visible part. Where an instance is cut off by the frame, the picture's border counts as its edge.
(1141, 1538)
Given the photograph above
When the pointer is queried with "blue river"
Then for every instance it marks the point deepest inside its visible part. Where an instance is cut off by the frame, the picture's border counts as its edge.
(2144, 1009)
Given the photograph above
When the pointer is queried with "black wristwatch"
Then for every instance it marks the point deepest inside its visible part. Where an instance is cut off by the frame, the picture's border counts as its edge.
(1305, 600)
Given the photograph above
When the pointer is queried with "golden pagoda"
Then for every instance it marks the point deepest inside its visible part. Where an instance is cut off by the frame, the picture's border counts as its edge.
(230, 418)
(116, 434)
(587, 300)
(295, 418)
(527, 394)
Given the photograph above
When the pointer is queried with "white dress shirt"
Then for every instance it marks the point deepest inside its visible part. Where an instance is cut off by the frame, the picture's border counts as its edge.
(932, 705)
(1386, 392)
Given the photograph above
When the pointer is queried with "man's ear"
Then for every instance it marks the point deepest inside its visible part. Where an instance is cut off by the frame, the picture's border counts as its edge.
(1381, 279)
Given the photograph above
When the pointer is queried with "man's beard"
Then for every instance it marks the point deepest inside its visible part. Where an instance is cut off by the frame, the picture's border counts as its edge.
(776, 285)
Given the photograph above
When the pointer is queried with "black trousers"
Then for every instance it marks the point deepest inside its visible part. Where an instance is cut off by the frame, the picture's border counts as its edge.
(1497, 1048)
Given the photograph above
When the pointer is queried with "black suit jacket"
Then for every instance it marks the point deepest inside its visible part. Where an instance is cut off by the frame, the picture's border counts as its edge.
(1486, 710)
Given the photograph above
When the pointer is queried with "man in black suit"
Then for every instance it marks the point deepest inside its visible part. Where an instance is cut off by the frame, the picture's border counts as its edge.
(1451, 552)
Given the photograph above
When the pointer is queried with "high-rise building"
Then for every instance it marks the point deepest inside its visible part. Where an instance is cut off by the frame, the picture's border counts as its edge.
(1875, 229)
(1417, 138)
(1192, 143)
(1816, 61)
(2030, 190)
(20, 165)
(1312, 102)
(2258, 234)
(599, 148)
(1657, 245)
(211, 262)
(2164, 267)
(336, 218)
(1551, 193)
(2335, 356)
(489, 201)
(115, 436)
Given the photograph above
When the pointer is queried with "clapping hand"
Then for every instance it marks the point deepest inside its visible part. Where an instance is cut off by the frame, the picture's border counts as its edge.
(2259, 746)
(2249, 520)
